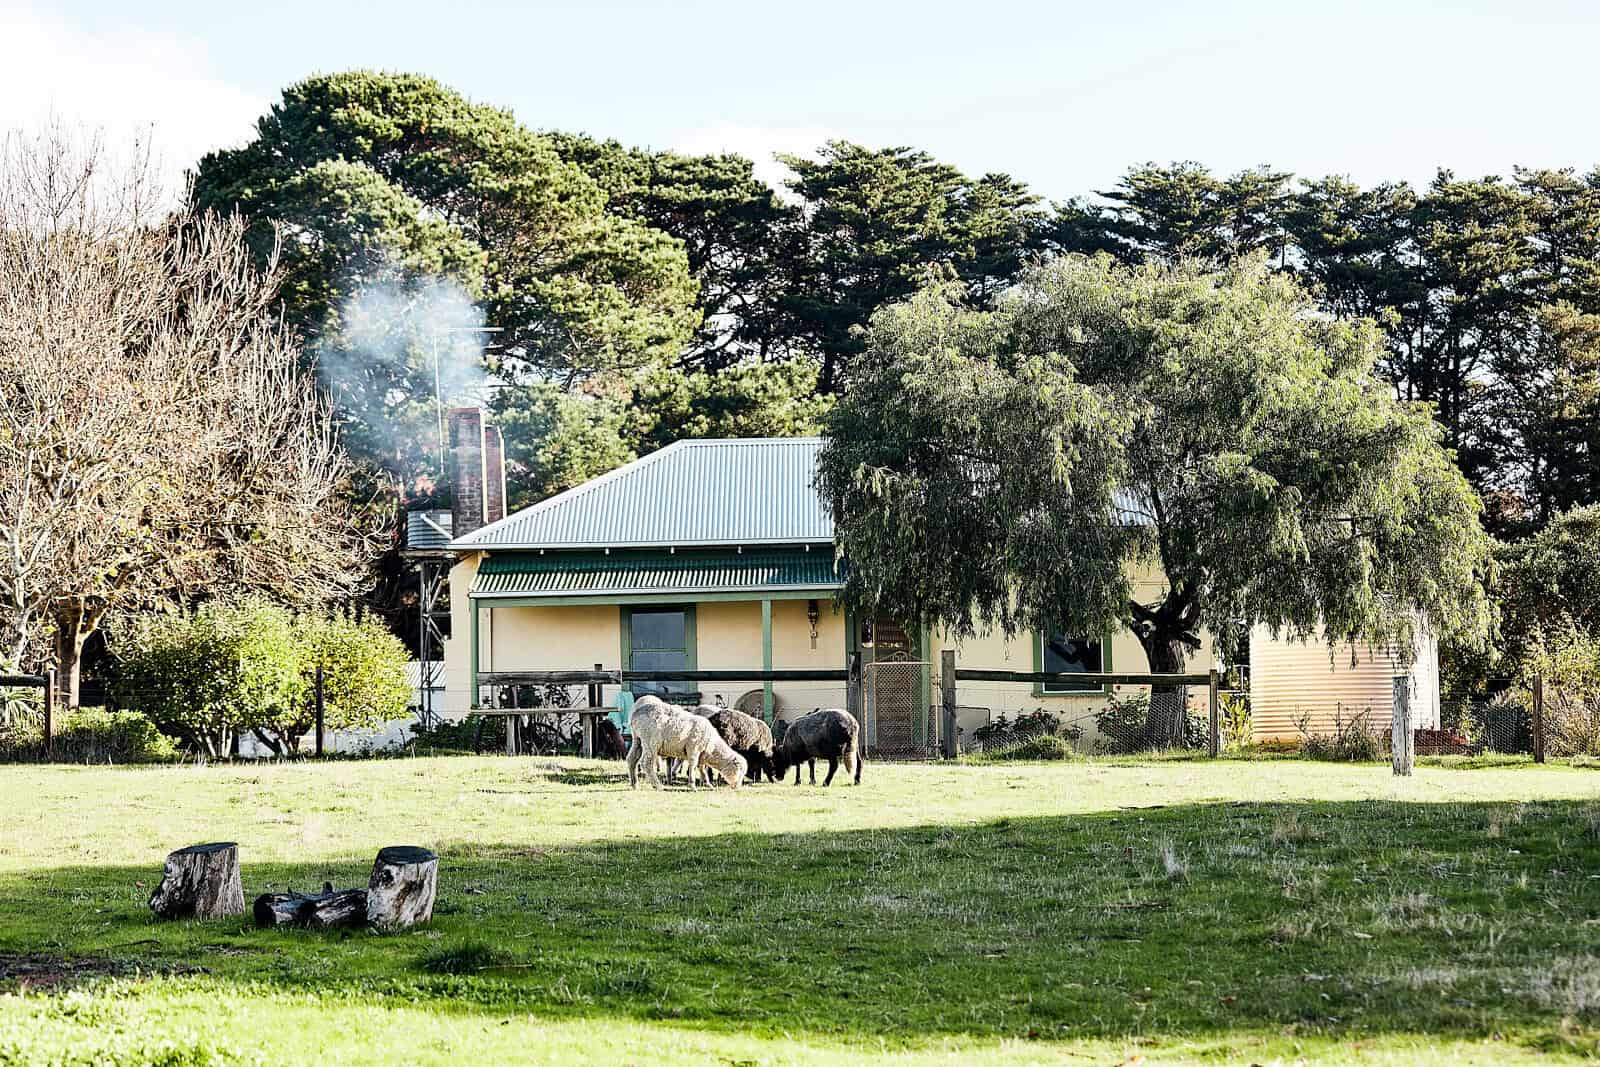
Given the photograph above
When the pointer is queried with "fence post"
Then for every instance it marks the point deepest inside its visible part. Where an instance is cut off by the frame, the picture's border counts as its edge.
(1402, 742)
(1214, 707)
(588, 723)
(852, 694)
(50, 678)
(947, 689)
(321, 704)
(1538, 718)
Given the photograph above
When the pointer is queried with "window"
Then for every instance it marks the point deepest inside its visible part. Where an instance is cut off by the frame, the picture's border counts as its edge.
(661, 639)
(1060, 654)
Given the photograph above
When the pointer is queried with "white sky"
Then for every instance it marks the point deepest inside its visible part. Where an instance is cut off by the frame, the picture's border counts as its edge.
(1063, 95)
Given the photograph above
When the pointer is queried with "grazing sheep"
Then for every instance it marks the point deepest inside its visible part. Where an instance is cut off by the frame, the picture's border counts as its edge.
(831, 734)
(608, 743)
(746, 735)
(666, 730)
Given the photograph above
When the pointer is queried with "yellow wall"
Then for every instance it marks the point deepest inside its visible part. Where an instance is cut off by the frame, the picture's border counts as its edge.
(728, 636)
(983, 701)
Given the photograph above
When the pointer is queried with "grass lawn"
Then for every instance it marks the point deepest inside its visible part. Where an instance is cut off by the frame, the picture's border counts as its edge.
(1087, 912)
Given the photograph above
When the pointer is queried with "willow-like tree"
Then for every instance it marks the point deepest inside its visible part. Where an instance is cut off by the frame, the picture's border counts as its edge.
(1017, 469)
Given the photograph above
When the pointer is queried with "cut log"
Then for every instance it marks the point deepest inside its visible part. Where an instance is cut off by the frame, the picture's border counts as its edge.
(200, 882)
(404, 880)
(327, 910)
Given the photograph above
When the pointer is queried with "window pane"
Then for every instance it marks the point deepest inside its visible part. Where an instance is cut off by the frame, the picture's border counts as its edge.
(659, 661)
(1063, 655)
(659, 629)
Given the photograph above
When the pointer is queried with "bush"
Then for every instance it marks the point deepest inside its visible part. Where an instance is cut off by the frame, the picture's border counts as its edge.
(1038, 747)
(1123, 725)
(1001, 733)
(449, 735)
(91, 735)
(249, 665)
(1568, 659)
(1351, 742)
(1236, 726)
(1503, 726)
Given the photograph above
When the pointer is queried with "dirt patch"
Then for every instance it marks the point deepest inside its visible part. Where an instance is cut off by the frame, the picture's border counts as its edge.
(36, 970)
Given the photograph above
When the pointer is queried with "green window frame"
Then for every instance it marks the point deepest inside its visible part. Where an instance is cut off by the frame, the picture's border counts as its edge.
(629, 651)
(1057, 690)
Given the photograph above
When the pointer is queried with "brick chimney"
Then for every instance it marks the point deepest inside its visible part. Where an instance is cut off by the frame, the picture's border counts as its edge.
(494, 475)
(477, 471)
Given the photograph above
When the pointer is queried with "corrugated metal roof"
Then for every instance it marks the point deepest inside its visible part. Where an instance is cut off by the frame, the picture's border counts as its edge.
(711, 492)
(721, 492)
(631, 572)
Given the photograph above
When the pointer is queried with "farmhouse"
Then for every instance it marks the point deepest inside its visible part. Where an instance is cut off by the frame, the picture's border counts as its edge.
(719, 554)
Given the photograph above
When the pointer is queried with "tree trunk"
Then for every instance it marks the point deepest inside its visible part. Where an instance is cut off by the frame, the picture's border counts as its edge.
(1168, 703)
(200, 882)
(404, 880)
(326, 910)
(74, 624)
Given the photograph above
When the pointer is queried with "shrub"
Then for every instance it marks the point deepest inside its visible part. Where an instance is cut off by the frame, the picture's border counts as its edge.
(1002, 732)
(1503, 726)
(449, 735)
(1350, 742)
(1568, 659)
(1236, 727)
(1122, 725)
(91, 735)
(249, 665)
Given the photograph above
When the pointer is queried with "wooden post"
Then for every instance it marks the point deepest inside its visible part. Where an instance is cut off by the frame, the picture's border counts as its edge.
(852, 688)
(319, 695)
(1402, 742)
(50, 681)
(766, 660)
(587, 723)
(1214, 705)
(947, 689)
(1538, 718)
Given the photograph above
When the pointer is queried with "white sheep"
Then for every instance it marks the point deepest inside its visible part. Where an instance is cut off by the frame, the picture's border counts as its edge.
(666, 730)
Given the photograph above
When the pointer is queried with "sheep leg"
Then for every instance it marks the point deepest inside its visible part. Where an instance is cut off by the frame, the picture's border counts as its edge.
(797, 774)
(694, 768)
(833, 765)
(852, 764)
(634, 751)
(812, 763)
(650, 771)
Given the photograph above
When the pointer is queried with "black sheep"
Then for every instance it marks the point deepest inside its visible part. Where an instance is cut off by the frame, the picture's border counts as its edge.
(746, 735)
(608, 743)
(831, 734)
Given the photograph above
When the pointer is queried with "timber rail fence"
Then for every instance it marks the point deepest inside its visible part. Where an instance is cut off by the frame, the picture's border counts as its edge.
(948, 739)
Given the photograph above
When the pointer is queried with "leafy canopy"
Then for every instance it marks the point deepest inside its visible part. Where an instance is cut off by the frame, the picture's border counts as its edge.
(1013, 468)
(393, 180)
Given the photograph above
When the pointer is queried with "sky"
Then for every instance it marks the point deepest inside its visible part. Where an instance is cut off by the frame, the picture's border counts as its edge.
(1063, 95)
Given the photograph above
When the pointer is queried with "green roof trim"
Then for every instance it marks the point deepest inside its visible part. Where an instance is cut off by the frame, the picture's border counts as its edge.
(620, 573)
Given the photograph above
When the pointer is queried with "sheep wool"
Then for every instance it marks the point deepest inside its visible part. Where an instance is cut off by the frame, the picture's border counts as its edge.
(662, 730)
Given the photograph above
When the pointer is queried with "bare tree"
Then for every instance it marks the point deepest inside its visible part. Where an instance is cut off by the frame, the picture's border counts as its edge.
(161, 438)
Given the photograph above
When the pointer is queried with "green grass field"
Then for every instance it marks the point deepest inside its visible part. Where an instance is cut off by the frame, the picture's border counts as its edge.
(1087, 912)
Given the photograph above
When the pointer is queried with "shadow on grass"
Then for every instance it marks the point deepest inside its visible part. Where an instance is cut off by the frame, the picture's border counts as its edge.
(1334, 920)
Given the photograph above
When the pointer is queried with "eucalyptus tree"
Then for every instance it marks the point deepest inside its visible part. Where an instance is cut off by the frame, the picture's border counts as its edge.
(1015, 469)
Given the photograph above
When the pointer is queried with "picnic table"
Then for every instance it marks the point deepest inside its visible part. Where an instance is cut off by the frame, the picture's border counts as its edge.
(587, 719)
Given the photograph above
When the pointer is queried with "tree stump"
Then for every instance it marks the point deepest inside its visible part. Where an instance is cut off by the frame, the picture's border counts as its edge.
(200, 882)
(404, 880)
(327, 910)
